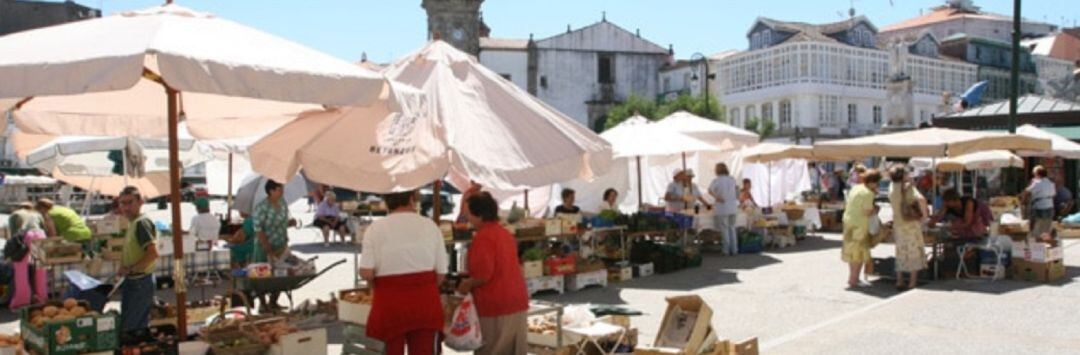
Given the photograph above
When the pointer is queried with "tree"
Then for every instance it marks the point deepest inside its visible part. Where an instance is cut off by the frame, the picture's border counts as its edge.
(697, 105)
(766, 129)
(633, 105)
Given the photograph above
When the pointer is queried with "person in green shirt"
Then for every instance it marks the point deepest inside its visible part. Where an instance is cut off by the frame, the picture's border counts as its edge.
(138, 258)
(860, 207)
(62, 221)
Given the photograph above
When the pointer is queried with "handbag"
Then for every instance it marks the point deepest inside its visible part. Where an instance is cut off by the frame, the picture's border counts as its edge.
(877, 231)
(909, 210)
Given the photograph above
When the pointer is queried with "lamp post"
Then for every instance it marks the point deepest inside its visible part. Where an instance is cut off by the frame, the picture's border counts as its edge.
(701, 58)
(1015, 74)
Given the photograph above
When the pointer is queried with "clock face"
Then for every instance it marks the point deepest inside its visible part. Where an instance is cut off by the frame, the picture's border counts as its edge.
(457, 34)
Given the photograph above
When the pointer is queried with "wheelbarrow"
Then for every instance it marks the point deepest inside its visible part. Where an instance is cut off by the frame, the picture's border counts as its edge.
(284, 284)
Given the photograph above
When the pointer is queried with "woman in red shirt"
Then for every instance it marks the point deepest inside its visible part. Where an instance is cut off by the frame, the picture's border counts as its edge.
(496, 281)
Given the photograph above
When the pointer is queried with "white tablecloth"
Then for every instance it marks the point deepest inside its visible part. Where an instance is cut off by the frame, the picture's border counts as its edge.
(812, 217)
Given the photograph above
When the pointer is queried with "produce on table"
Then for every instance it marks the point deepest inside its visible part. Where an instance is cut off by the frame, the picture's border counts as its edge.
(14, 340)
(357, 296)
(543, 325)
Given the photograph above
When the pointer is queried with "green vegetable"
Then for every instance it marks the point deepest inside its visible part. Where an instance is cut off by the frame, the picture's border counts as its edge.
(533, 254)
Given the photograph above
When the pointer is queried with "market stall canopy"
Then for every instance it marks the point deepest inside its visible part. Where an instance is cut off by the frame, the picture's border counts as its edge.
(985, 160)
(767, 152)
(384, 147)
(638, 137)
(1060, 146)
(107, 156)
(717, 133)
(252, 192)
(118, 79)
(150, 185)
(495, 132)
(927, 142)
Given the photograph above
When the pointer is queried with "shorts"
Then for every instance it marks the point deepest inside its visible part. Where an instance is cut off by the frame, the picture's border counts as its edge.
(333, 224)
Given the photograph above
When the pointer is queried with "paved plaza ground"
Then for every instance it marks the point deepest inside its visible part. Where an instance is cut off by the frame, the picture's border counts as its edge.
(796, 302)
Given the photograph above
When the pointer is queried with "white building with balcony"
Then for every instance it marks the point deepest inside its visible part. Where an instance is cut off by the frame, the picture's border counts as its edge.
(828, 81)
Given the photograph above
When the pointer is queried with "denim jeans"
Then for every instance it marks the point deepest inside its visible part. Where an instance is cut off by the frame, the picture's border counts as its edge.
(726, 225)
(138, 298)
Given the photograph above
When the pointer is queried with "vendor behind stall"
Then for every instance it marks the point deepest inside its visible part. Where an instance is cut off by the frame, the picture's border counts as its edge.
(1040, 198)
(62, 221)
(138, 259)
(204, 226)
(405, 261)
(610, 202)
(567, 206)
(969, 218)
(682, 193)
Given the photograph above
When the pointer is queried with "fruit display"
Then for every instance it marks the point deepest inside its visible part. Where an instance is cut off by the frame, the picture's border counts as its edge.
(543, 325)
(9, 341)
(68, 310)
(357, 296)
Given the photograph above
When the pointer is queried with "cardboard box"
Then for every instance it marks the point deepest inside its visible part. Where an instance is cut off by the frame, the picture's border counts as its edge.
(727, 347)
(1025, 270)
(643, 270)
(1042, 252)
(308, 342)
(532, 269)
(79, 335)
(552, 227)
(349, 312)
(560, 266)
(582, 280)
(619, 274)
(545, 283)
(685, 325)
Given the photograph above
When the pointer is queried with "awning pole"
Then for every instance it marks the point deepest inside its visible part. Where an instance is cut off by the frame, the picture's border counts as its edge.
(174, 197)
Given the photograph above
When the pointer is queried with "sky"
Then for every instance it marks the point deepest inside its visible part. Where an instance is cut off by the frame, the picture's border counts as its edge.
(388, 29)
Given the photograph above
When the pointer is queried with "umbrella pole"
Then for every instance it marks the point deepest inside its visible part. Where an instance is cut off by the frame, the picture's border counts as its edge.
(641, 203)
(934, 173)
(684, 161)
(229, 196)
(174, 197)
(436, 200)
(526, 199)
(769, 202)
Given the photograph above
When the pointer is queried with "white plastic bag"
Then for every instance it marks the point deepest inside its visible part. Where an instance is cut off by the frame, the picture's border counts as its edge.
(463, 333)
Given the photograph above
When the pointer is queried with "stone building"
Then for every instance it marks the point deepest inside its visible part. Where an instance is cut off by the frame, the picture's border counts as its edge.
(994, 59)
(583, 72)
(962, 16)
(829, 80)
(21, 15)
(457, 22)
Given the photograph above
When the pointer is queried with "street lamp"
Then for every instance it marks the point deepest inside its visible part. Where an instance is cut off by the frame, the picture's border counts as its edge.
(704, 61)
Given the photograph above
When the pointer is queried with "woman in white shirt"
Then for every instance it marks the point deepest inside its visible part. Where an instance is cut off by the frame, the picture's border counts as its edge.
(205, 226)
(724, 190)
(609, 203)
(404, 259)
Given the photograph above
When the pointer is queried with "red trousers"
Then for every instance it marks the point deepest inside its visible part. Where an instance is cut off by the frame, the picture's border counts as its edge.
(420, 342)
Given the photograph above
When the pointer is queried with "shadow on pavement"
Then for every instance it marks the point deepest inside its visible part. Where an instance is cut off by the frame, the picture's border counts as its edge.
(810, 243)
(739, 262)
(999, 287)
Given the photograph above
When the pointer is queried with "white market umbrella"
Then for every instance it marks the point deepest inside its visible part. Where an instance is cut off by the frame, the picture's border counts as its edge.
(722, 135)
(927, 142)
(182, 51)
(1059, 146)
(253, 190)
(985, 160)
(637, 137)
(96, 156)
(496, 133)
(388, 146)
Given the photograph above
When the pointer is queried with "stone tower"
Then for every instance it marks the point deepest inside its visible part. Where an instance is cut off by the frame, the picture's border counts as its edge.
(457, 22)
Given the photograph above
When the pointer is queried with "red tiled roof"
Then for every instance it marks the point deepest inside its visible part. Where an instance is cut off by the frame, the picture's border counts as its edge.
(942, 14)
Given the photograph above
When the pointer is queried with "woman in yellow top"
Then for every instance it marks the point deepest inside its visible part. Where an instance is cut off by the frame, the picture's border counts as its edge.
(857, 213)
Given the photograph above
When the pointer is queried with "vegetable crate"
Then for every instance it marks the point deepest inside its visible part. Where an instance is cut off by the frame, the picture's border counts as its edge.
(89, 333)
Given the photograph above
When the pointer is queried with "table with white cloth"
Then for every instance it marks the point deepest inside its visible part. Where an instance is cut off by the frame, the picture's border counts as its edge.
(812, 218)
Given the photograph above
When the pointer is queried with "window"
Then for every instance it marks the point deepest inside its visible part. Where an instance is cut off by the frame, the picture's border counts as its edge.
(543, 81)
(606, 69)
(751, 113)
(828, 111)
(785, 114)
(766, 111)
(755, 41)
(852, 114)
(735, 119)
(766, 38)
(877, 116)
(505, 76)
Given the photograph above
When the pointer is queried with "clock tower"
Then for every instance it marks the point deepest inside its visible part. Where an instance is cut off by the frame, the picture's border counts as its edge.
(457, 22)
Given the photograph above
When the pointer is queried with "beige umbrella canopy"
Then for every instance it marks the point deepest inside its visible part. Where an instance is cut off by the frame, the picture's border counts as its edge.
(1060, 146)
(767, 152)
(383, 147)
(927, 142)
(182, 51)
(495, 132)
(990, 159)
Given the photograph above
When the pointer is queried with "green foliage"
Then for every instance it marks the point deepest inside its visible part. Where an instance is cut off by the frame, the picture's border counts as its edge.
(763, 128)
(652, 110)
(697, 105)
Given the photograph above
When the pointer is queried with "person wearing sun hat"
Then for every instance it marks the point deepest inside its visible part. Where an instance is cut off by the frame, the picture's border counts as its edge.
(204, 226)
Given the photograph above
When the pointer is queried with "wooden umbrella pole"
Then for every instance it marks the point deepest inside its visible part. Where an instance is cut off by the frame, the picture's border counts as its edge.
(436, 200)
(641, 203)
(229, 196)
(174, 198)
(684, 161)
(526, 199)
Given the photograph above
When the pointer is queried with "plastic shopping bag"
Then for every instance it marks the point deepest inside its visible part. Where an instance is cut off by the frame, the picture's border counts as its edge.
(463, 332)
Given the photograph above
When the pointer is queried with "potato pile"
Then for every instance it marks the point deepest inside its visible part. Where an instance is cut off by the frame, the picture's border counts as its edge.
(70, 310)
(270, 333)
(542, 325)
(11, 341)
(357, 296)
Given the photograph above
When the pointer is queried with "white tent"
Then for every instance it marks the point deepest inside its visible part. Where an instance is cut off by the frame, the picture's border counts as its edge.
(1059, 146)
(495, 132)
